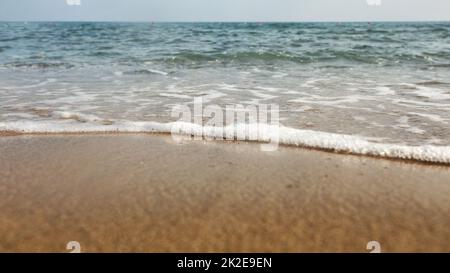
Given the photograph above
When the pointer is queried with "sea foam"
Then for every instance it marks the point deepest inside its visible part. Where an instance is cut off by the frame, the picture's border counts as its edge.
(264, 133)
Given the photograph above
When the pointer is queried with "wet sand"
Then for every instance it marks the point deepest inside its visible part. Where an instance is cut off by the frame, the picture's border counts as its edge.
(145, 193)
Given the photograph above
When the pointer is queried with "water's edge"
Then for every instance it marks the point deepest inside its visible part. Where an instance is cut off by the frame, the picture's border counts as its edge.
(348, 144)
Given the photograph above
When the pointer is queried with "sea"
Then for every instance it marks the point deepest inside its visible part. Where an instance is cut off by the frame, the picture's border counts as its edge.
(380, 88)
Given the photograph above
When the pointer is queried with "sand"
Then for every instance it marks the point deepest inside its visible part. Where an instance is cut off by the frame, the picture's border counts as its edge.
(146, 193)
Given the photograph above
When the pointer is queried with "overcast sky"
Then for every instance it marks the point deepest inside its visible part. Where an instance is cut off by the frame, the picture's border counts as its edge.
(224, 10)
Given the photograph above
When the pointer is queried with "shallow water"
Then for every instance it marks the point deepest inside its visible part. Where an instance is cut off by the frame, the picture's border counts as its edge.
(387, 83)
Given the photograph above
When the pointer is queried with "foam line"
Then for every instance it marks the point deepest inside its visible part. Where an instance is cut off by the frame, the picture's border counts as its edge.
(253, 132)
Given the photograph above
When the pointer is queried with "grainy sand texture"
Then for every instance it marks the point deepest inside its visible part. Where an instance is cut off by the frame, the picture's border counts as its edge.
(146, 193)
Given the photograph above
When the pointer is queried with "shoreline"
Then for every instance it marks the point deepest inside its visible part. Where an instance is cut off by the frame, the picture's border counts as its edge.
(257, 142)
(145, 193)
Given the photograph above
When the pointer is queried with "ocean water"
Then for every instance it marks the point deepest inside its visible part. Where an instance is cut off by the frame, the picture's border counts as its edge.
(365, 88)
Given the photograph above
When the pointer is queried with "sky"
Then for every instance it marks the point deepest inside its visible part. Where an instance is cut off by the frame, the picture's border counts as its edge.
(225, 10)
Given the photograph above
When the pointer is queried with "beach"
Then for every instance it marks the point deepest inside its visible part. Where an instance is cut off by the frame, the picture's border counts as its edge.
(147, 193)
(358, 114)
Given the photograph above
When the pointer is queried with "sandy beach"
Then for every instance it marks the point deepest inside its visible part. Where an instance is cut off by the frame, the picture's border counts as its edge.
(145, 193)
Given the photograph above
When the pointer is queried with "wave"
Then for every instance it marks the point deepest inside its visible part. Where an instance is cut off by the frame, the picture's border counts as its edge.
(4, 48)
(257, 56)
(39, 65)
(263, 133)
(146, 72)
(358, 54)
(432, 82)
(440, 65)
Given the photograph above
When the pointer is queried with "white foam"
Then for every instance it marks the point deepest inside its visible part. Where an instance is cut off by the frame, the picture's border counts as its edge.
(431, 93)
(404, 124)
(19, 115)
(42, 83)
(211, 95)
(75, 116)
(385, 91)
(302, 109)
(280, 75)
(172, 95)
(157, 72)
(329, 101)
(262, 96)
(413, 104)
(255, 132)
(435, 118)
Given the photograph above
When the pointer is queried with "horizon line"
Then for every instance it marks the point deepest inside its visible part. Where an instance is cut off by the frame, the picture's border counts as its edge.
(207, 21)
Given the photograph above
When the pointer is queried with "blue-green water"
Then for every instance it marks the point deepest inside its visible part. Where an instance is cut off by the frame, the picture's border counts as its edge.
(387, 82)
(195, 45)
